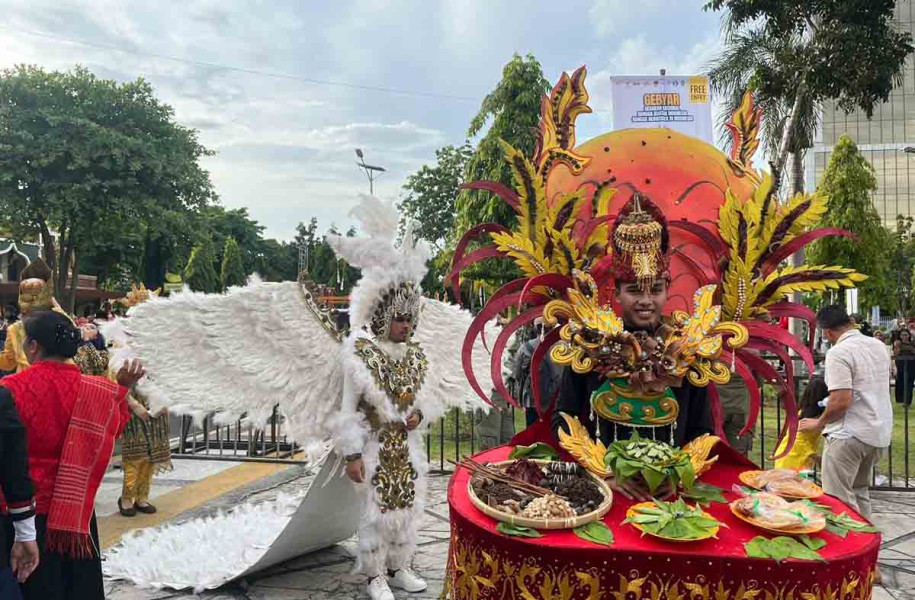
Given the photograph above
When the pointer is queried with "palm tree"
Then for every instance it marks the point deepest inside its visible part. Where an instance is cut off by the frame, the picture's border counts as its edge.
(748, 60)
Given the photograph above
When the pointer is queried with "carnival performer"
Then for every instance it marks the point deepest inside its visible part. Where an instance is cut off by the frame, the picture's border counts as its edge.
(611, 233)
(378, 428)
(36, 293)
(641, 298)
(274, 347)
(145, 445)
(71, 422)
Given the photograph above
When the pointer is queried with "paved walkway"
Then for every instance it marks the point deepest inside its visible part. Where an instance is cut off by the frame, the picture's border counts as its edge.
(325, 575)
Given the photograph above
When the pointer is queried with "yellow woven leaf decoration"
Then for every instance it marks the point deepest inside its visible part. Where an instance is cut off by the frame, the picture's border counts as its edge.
(558, 113)
(600, 207)
(529, 258)
(807, 278)
(564, 257)
(565, 208)
(532, 210)
(729, 219)
(587, 452)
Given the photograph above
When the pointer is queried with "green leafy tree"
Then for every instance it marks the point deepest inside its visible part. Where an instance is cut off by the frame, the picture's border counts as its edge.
(796, 54)
(899, 295)
(77, 151)
(233, 272)
(512, 111)
(279, 261)
(200, 274)
(223, 224)
(849, 182)
(430, 195)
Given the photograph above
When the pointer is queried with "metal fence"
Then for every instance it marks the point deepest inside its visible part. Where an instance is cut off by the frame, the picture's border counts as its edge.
(458, 434)
(239, 441)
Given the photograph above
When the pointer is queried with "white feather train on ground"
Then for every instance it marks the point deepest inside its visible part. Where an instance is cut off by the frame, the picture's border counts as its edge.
(208, 552)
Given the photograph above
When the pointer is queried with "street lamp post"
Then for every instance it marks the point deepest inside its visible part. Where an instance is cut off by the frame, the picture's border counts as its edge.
(371, 171)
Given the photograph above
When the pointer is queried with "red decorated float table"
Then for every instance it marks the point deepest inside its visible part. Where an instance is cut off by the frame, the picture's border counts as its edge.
(486, 565)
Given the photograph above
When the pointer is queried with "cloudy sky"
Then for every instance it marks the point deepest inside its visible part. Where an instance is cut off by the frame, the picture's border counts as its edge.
(284, 90)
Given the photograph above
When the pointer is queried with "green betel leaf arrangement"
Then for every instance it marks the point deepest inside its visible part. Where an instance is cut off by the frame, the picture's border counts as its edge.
(655, 461)
(784, 547)
(704, 494)
(517, 531)
(595, 532)
(537, 451)
(673, 520)
(842, 523)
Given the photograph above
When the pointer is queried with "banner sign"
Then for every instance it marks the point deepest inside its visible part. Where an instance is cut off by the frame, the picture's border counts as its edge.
(680, 103)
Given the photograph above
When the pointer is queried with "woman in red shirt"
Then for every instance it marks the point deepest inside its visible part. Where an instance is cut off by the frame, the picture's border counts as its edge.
(71, 422)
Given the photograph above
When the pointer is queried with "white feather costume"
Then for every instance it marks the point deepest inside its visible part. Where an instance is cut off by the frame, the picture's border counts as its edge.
(271, 344)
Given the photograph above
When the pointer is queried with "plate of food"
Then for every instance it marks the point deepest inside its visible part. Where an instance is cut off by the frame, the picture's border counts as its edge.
(775, 514)
(540, 494)
(786, 483)
(674, 521)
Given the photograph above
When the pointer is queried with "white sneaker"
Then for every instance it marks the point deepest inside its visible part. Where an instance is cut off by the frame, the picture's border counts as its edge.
(378, 589)
(405, 579)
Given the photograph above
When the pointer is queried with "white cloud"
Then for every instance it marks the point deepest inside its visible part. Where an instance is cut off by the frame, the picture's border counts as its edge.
(609, 17)
(285, 146)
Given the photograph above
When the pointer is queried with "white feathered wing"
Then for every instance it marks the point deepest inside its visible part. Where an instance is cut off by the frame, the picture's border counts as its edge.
(243, 352)
(441, 331)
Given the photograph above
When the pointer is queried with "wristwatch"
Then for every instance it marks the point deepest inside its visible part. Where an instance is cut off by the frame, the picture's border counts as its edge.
(352, 457)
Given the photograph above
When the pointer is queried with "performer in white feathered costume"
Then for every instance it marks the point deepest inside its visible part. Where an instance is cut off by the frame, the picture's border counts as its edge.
(373, 393)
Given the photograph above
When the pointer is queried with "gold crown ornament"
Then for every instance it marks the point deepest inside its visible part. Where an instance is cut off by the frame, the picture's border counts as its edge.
(639, 240)
(137, 295)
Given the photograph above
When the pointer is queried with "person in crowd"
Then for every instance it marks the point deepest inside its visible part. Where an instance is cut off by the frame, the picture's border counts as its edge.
(904, 355)
(18, 526)
(735, 405)
(550, 374)
(36, 293)
(807, 445)
(858, 420)
(497, 426)
(71, 421)
(884, 337)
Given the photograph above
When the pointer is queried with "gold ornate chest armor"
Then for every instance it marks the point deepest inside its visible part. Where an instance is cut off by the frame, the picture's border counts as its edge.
(400, 380)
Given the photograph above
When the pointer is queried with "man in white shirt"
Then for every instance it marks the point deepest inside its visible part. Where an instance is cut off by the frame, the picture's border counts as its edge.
(858, 420)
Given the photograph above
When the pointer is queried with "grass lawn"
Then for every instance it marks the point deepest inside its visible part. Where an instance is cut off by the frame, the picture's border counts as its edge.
(442, 446)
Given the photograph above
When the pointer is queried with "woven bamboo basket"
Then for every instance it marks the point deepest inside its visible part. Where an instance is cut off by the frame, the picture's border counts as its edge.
(566, 523)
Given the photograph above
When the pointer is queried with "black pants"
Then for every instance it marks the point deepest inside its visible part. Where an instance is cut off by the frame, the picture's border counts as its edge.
(905, 380)
(59, 577)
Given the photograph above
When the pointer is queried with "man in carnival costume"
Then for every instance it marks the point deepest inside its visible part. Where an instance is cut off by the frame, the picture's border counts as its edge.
(377, 428)
(614, 231)
(671, 410)
(275, 346)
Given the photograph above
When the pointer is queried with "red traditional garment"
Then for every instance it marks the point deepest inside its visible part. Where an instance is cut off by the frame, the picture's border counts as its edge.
(71, 421)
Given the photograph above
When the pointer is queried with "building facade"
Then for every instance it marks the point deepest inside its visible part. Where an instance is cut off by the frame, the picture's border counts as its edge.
(882, 139)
